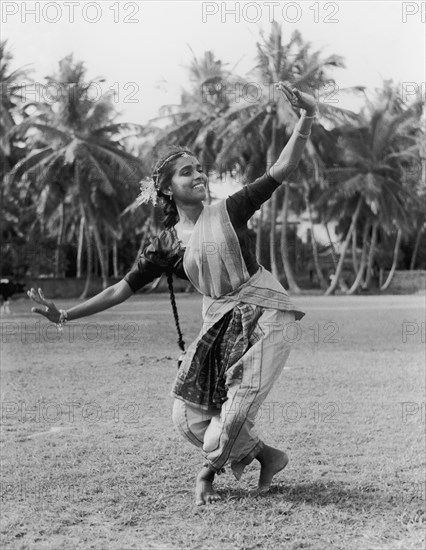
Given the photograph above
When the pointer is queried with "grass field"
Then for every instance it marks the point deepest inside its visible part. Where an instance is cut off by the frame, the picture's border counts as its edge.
(90, 458)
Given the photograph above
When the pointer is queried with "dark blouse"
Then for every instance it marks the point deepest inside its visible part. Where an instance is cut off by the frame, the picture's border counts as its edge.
(165, 251)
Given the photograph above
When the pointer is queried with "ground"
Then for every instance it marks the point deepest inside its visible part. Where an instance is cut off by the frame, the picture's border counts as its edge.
(90, 458)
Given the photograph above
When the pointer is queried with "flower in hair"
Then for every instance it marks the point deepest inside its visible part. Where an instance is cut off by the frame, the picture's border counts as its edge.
(149, 186)
(148, 192)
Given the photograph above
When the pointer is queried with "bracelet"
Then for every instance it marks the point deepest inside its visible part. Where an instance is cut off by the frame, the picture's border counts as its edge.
(307, 116)
(304, 136)
(63, 318)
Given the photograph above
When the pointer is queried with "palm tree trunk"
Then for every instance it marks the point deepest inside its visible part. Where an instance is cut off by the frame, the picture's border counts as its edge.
(98, 243)
(320, 276)
(92, 222)
(80, 246)
(114, 257)
(59, 239)
(416, 245)
(106, 252)
(339, 267)
(363, 262)
(333, 250)
(394, 262)
(293, 287)
(89, 266)
(371, 253)
(354, 258)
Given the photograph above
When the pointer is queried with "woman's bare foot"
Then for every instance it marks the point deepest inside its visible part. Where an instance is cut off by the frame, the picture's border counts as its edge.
(204, 492)
(271, 461)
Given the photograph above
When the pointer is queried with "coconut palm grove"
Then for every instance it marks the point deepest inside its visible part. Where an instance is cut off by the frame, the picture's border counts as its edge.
(70, 172)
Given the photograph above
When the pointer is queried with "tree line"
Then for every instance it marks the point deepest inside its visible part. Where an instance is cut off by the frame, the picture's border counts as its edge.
(70, 172)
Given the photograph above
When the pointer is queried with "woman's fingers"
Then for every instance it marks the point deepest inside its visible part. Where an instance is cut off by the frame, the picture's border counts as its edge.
(38, 310)
(33, 296)
(287, 91)
(287, 94)
(296, 97)
(48, 309)
(39, 298)
(40, 293)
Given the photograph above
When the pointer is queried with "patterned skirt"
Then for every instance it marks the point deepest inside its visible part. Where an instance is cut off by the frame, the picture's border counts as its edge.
(202, 376)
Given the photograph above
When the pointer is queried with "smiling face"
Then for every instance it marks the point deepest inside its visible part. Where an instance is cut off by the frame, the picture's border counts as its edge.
(188, 184)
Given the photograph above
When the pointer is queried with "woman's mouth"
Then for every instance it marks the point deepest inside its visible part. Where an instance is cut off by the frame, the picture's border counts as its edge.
(198, 185)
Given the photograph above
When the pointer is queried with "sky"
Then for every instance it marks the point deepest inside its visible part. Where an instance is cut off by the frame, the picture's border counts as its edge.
(142, 49)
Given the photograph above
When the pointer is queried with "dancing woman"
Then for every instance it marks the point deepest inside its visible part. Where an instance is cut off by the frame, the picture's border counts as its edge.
(229, 369)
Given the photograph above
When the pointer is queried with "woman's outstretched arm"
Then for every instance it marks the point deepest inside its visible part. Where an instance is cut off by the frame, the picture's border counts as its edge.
(152, 263)
(292, 152)
(109, 297)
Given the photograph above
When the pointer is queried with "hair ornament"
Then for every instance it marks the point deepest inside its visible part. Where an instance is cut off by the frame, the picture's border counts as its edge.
(149, 186)
(148, 192)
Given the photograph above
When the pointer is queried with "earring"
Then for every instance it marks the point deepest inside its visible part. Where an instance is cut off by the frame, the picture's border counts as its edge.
(170, 197)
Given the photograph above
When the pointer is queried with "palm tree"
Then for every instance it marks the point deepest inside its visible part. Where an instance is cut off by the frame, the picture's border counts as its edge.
(192, 123)
(373, 153)
(74, 155)
(253, 129)
(13, 218)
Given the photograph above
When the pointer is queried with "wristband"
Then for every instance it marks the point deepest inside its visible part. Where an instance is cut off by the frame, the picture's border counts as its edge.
(304, 136)
(63, 318)
(305, 115)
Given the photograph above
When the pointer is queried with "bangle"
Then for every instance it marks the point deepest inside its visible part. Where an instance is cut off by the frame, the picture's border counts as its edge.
(63, 318)
(304, 136)
(305, 115)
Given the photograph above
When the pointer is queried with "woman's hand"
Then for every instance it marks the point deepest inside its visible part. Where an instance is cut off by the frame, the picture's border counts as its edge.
(50, 311)
(297, 98)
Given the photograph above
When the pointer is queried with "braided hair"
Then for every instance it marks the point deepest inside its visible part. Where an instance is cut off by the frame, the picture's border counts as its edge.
(162, 174)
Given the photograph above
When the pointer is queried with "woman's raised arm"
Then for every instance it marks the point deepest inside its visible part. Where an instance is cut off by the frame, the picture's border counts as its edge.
(292, 152)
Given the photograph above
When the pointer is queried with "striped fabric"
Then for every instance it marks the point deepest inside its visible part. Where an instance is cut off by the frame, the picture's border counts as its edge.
(203, 378)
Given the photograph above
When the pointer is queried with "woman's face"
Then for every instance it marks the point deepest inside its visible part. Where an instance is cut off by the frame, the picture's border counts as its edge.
(188, 185)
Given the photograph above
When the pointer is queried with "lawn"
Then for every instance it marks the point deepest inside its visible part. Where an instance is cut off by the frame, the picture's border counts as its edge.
(90, 458)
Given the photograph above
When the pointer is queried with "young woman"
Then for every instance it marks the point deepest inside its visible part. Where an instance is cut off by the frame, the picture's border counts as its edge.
(229, 369)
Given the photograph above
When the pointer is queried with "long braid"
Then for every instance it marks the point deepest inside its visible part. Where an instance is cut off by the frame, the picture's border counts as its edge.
(181, 343)
(162, 174)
